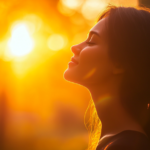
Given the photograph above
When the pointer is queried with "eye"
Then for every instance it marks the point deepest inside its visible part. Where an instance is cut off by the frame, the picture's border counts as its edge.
(90, 43)
(90, 40)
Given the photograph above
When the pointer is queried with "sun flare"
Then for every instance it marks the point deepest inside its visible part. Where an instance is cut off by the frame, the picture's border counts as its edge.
(21, 42)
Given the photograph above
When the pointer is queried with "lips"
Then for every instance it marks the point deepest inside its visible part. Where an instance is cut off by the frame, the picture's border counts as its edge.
(74, 60)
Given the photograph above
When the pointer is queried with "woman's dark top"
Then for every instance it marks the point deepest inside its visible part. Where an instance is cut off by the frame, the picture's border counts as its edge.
(125, 140)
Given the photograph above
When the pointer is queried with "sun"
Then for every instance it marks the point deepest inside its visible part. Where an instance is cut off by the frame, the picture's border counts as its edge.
(21, 42)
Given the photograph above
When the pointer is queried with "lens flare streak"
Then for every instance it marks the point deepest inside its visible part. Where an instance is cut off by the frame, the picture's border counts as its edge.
(89, 74)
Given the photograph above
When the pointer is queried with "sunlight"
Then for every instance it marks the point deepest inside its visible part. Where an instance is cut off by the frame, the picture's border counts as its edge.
(20, 43)
(56, 42)
(66, 11)
(92, 8)
(73, 4)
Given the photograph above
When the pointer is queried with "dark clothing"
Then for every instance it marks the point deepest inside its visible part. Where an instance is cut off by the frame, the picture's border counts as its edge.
(125, 140)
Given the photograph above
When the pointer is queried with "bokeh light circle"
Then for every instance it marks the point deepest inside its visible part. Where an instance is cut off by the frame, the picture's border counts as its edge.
(73, 4)
(92, 8)
(66, 11)
(56, 42)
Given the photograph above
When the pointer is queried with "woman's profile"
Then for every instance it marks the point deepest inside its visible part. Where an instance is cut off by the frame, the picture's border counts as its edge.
(113, 63)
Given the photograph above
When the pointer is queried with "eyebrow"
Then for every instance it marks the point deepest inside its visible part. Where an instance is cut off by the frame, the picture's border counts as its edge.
(93, 32)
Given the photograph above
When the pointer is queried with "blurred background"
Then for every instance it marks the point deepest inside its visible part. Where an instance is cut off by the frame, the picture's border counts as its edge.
(39, 110)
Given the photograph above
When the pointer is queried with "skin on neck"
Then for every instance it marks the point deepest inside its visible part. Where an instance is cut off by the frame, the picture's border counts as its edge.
(113, 116)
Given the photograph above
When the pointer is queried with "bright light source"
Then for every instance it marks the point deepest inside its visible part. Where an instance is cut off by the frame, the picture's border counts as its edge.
(92, 8)
(73, 4)
(20, 43)
(56, 42)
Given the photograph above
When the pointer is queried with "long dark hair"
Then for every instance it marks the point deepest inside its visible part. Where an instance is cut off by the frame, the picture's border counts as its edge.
(128, 32)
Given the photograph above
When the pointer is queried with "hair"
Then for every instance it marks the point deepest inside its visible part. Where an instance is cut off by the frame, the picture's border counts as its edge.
(93, 125)
(128, 33)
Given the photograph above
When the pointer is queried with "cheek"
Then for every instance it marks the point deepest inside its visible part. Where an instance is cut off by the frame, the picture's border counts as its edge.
(90, 57)
(94, 67)
(95, 64)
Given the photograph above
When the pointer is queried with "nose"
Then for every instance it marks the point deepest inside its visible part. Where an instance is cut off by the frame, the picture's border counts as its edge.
(75, 49)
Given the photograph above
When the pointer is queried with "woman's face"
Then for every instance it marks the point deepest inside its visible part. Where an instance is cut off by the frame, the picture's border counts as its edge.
(91, 63)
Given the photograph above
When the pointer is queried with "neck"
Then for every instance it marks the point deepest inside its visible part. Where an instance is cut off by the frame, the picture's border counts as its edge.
(113, 116)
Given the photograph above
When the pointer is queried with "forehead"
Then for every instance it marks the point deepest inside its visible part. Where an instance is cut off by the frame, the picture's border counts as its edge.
(99, 27)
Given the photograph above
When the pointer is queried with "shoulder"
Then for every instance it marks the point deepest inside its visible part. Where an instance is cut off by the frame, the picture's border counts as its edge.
(127, 146)
(127, 140)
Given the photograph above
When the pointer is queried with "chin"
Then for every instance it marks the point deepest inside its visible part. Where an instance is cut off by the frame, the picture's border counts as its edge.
(72, 76)
(68, 75)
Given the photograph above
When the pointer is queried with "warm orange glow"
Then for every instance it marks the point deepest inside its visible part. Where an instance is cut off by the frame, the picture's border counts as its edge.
(39, 110)
(108, 145)
(92, 8)
(148, 106)
(20, 43)
(56, 42)
(73, 4)
(65, 10)
(104, 98)
(89, 74)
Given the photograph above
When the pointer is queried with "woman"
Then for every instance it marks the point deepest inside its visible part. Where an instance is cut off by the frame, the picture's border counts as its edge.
(114, 65)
